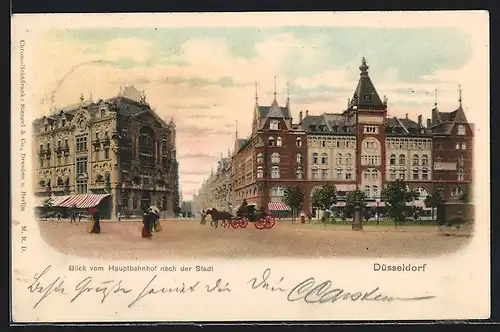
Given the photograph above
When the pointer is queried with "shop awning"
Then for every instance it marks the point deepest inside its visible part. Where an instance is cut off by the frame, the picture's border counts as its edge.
(278, 206)
(84, 201)
(54, 200)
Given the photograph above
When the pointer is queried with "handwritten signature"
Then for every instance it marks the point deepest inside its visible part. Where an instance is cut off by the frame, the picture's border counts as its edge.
(311, 292)
(105, 288)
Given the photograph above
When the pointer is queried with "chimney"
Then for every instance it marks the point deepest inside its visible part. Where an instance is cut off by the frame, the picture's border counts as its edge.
(406, 116)
(307, 112)
(300, 117)
(420, 121)
(428, 123)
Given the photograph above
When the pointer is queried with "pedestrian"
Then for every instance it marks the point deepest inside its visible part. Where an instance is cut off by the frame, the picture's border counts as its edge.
(119, 216)
(95, 224)
(146, 228)
(79, 217)
(73, 218)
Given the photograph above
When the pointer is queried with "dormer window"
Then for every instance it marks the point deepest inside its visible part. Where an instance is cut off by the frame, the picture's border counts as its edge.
(103, 113)
(299, 142)
(270, 141)
(312, 127)
(461, 130)
(274, 125)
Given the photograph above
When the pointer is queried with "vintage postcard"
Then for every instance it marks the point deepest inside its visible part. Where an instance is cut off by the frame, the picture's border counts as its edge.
(250, 167)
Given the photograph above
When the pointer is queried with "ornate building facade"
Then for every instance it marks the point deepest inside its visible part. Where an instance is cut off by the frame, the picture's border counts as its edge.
(117, 154)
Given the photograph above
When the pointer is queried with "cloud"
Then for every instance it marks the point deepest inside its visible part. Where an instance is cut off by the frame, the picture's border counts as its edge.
(201, 79)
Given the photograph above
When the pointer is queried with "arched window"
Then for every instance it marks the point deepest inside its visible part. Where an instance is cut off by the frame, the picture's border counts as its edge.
(315, 172)
(275, 158)
(315, 158)
(299, 158)
(456, 192)
(461, 161)
(366, 174)
(402, 174)
(324, 173)
(425, 160)
(348, 159)
(339, 158)
(324, 158)
(402, 159)
(375, 191)
(392, 174)
(279, 141)
(415, 174)
(260, 172)
(374, 174)
(460, 174)
(299, 174)
(392, 159)
(414, 160)
(367, 191)
(298, 142)
(260, 157)
(275, 172)
(270, 141)
(425, 174)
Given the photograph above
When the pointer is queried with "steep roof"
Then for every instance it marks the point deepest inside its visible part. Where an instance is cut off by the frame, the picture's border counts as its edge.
(326, 123)
(365, 95)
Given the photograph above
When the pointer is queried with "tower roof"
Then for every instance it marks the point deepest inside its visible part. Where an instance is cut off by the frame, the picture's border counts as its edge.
(365, 95)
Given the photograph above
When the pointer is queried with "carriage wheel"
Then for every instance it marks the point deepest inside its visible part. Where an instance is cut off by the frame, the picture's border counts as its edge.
(235, 223)
(258, 224)
(270, 222)
(243, 223)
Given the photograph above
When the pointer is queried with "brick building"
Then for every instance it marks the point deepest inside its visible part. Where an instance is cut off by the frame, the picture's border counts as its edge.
(360, 147)
(271, 159)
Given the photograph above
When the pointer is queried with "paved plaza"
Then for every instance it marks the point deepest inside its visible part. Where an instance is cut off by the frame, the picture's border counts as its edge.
(189, 239)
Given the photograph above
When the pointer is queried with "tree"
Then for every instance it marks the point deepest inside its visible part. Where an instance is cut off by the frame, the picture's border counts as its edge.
(294, 197)
(324, 197)
(396, 195)
(177, 211)
(354, 198)
(433, 201)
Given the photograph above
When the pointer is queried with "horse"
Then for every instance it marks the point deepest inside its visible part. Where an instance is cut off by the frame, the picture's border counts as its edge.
(224, 216)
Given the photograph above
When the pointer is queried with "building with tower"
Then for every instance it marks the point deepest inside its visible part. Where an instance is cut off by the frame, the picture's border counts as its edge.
(360, 147)
(271, 159)
(116, 155)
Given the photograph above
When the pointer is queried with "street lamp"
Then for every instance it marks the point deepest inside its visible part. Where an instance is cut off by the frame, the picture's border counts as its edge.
(378, 210)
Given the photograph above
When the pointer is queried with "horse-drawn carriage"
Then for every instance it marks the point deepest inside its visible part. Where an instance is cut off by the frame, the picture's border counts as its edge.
(244, 215)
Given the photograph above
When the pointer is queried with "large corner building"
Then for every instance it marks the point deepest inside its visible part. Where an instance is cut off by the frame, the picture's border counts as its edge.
(360, 147)
(116, 154)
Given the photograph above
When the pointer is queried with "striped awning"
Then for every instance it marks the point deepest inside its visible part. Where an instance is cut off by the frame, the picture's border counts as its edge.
(84, 201)
(58, 200)
(278, 206)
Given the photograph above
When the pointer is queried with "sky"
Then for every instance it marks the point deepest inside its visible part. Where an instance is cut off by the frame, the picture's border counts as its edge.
(204, 76)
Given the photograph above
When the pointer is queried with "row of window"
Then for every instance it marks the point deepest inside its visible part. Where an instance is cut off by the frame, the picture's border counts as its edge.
(340, 174)
(416, 160)
(279, 141)
(333, 144)
(416, 174)
(340, 158)
(408, 143)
